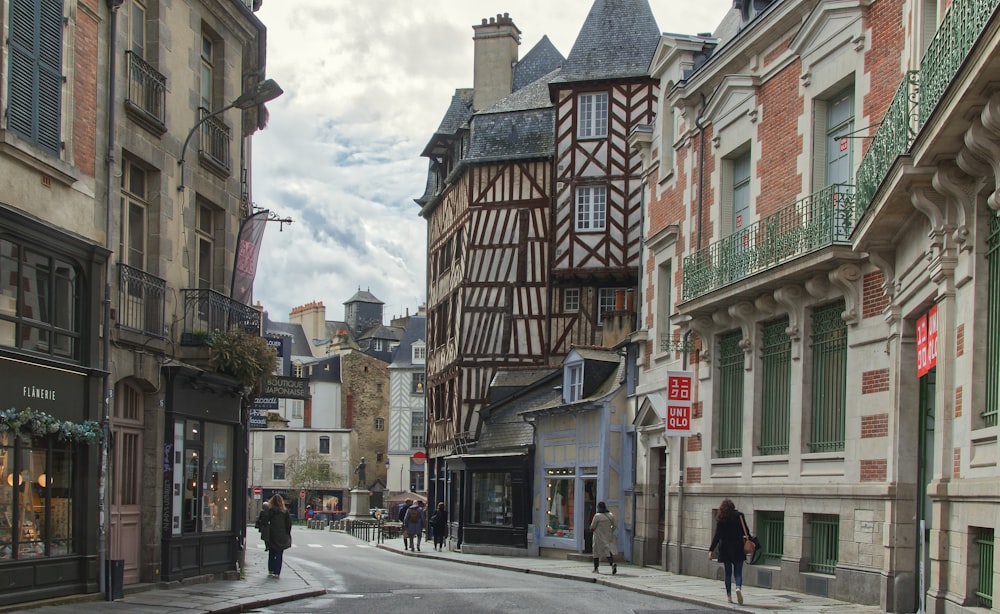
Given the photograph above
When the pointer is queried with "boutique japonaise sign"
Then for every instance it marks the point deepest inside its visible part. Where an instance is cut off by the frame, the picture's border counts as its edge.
(679, 387)
(927, 338)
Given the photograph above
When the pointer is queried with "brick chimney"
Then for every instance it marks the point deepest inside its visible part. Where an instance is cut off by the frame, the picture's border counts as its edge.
(312, 318)
(496, 43)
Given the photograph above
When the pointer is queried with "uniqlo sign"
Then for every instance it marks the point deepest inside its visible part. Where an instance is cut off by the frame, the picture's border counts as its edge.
(679, 388)
(927, 338)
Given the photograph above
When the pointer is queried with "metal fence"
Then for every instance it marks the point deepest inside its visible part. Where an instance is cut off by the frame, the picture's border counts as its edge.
(984, 589)
(824, 543)
(141, 301)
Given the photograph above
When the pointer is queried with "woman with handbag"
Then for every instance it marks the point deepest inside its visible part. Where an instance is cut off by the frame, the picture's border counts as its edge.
(730, 537)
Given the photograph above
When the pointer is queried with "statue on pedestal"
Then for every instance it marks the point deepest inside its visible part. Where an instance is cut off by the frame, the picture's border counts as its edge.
(360, 470)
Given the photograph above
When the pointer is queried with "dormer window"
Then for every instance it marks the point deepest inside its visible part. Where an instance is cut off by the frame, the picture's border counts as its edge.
(573, 382)
(419, 353)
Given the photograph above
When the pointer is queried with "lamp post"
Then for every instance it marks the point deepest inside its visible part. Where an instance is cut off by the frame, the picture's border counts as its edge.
(265, 91)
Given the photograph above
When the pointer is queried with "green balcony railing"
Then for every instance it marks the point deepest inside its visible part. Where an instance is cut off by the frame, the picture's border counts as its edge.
(814, 222)
(919, 93)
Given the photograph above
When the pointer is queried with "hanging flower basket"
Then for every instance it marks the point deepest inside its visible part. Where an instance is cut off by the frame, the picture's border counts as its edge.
(40, 424)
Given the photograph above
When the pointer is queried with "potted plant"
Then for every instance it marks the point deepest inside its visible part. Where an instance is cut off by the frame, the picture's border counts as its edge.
(244, 356)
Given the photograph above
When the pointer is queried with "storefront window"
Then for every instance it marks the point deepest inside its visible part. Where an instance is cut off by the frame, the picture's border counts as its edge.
(35, 497)
(491, 494)
(560, 493)
(217, 484)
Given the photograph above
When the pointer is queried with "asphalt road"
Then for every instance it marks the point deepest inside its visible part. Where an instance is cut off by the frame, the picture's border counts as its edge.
(363, 579)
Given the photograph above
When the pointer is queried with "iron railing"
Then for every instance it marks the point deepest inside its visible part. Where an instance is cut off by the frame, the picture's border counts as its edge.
(771, 530)
(824, 543)
(215, 140)
(147, 88)
(989, 414)
(819, 220)
(829, 378)
(730, 396)
(141, 301)
(984, 589)
(207, 312)
(776, 361)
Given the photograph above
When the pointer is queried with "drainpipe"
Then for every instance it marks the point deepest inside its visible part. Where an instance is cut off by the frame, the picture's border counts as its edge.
(103, 509)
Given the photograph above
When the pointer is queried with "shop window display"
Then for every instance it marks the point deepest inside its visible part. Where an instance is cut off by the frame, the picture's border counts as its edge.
(35, 497)
(491, 493)
(559, 503)
(208, 477)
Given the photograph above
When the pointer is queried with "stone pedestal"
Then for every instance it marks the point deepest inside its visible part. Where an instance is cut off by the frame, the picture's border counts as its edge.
(360, 504)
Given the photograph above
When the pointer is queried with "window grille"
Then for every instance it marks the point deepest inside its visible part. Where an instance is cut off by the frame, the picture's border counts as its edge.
(989, 414)
(825, 543)
(771, 532)
(984, 588)
(776, 348)
(829, 378)
(730, 395)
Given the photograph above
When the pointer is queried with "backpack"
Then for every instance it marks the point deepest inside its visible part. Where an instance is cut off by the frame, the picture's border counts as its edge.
(413, 515)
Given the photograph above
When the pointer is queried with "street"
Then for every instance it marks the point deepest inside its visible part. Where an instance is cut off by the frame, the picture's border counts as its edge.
(362, 578)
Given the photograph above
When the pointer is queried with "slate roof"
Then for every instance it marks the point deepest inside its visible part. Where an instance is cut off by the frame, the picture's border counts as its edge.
(617, 40)
(455, 118)
(504, 428)
(363, 296)
(320, 372)
(416, 330)
(300, 345)
(508, 136)
(541, 60)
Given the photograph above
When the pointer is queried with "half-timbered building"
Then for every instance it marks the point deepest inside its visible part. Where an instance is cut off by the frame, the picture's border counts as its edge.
(822, 255)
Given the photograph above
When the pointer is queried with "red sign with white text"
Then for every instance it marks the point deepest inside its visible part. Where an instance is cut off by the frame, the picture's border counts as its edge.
(679, 396)
(927, 337)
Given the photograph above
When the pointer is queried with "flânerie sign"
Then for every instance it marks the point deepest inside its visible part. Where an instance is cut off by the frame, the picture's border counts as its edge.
(679, 388)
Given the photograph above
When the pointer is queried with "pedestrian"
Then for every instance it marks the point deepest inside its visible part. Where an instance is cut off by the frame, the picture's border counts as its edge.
(400, 513)
(439, 526)
(309, 512)
(605, 544)
(277, 534)
(729, 539)
(414, 523)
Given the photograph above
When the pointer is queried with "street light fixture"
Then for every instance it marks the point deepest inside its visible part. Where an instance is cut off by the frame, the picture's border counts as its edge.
(266, 91)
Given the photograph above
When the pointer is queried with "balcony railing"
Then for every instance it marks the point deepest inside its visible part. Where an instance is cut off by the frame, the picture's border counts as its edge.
(140, 301)
(215, 141)
(207, 312)
(819, 220)
(920, 92)
(146, 89)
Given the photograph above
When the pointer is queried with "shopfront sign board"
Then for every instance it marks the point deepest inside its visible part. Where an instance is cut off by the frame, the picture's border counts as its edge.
(679, 394)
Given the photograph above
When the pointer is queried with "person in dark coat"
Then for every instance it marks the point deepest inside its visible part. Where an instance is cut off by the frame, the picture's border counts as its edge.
(414, 522)
(277, 534)
(262, 519)
(729, 538)
(439, 526)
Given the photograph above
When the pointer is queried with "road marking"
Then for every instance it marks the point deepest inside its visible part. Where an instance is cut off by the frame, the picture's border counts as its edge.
(315, 545)
(339, 546)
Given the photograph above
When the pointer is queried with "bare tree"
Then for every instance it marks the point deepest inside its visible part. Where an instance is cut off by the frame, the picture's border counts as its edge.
(310, 471)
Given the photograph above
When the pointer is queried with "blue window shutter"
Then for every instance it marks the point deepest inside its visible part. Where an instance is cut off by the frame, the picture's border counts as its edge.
(35, 86)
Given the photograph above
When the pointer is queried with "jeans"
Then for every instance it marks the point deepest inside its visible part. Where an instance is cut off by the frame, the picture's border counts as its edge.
(274, 560)
(730, 567)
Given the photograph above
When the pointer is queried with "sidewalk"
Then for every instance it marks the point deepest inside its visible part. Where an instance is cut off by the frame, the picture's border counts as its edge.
(257, 590)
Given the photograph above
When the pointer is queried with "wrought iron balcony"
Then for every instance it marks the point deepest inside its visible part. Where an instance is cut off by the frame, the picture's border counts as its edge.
(146, 91)
(140, 301)
(215, 142)
(920, 92)
(207, 312)
(817, 221)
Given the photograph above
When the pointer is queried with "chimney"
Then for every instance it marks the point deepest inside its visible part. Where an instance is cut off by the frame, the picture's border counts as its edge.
(496, 43)
(311, 317)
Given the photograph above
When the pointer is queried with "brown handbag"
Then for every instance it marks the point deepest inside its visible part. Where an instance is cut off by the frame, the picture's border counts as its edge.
(749, 547)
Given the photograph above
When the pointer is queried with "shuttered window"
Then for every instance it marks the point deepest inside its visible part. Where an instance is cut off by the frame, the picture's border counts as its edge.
(35, 83)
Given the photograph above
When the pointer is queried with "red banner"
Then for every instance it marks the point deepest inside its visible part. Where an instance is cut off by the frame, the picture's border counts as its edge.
(927, 337)
(247, 251)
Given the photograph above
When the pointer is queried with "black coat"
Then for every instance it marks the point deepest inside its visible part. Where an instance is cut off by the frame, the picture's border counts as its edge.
(439, 521)
(277, 533)
(729, 538)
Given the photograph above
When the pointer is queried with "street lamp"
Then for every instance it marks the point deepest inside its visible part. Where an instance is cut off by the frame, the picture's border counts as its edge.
(266, 91)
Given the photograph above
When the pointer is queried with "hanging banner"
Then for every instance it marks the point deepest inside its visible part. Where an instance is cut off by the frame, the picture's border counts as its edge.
(247, 251)
(679, 388)
(927, 337)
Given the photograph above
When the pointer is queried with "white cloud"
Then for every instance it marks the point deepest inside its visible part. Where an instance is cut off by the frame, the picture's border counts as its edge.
(366, 84)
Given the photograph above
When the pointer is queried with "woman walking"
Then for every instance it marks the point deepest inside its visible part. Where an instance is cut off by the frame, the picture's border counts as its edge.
(729, 538)
(277, 534)
(603, 526)
(439, 526)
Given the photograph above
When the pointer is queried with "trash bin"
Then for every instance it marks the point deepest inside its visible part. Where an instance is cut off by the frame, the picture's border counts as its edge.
(115, 579)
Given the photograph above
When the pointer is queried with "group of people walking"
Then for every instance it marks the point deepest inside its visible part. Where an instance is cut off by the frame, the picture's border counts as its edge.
(413, 517)
(275, 526)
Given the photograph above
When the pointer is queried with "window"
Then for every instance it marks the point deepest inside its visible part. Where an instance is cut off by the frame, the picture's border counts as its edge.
(824, 543)
(418, 424)
(776, 393)
(664, 286)
(41, 297)
(217, 478)
(730, 427)
(571, 300)
(592, 116)
(205, 233)
(771, 531)
(324, 445)
(574, 382)
(981, 565)
(137, 29)
(418, 382)
(491, 498)
(419, 353)
(606, 301)
(207, 72)
(279, 444)
(34, 84)
(741, 192)
(278, 471)
(134, 208)
(417, 441)
(591, 208)
(989, 415)
(36, 518)
(666, 123)
(297, 370)
(380, 424)
(839, 111)
(416, 481)
(829, 378)
(298, 407)
(559, 489)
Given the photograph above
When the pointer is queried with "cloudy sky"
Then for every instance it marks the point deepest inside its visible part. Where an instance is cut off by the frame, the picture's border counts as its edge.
(366, 84)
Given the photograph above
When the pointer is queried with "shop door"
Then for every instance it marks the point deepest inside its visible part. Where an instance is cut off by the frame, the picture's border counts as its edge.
(589, 509)
(661, 510)
(926, 476)
(125, 480)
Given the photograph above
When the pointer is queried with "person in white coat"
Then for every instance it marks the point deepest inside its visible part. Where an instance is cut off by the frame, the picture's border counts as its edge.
(603, 526)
